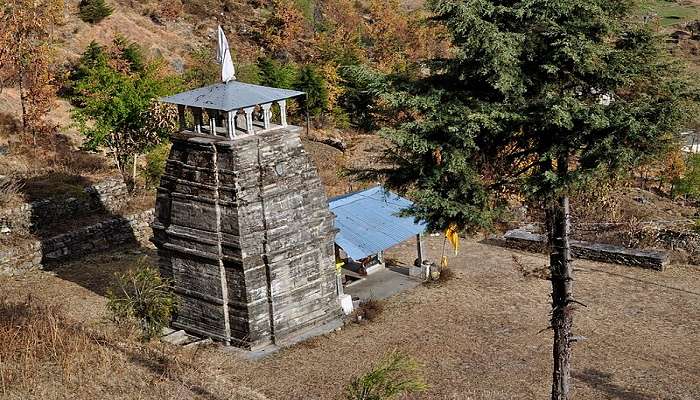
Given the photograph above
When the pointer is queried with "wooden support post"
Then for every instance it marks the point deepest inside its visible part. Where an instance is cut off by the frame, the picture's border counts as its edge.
(419, 247)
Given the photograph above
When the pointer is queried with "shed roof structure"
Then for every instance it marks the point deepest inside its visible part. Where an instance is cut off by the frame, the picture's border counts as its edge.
(368, 221)
(229, 96)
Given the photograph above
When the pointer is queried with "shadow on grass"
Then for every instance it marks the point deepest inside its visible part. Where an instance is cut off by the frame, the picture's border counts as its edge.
(602, 381)
(97, 272)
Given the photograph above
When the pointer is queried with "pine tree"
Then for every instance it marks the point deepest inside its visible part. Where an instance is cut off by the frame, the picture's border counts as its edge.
(540, 97)
(94, 11)
(311, 82)
(274, 73)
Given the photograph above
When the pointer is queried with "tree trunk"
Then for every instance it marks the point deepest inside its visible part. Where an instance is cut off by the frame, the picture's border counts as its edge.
(562, 296)
(23, 101)
(133, 171)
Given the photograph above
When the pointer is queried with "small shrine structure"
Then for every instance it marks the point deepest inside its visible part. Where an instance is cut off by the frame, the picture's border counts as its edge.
(242, 226)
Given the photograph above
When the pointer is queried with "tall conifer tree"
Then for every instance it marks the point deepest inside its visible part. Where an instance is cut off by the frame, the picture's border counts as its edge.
(539, 97)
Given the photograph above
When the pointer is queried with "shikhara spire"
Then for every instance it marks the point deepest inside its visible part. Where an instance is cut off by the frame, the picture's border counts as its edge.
(223, 57)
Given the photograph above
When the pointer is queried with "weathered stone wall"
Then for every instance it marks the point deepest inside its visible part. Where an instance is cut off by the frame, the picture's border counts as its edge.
(37, 254)
(108, 195)
(523, 240)
(265, 272)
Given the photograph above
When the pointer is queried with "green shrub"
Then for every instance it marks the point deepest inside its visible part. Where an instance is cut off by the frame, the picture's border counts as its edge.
(311, 82)
(276, 74)
(155, 164)
(393, 377)
(94, 11)
(689, 184)
(141, 297)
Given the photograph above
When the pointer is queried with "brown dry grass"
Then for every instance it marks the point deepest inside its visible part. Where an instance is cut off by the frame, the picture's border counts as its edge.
(44, 355)
(10, 192)
(477, 335)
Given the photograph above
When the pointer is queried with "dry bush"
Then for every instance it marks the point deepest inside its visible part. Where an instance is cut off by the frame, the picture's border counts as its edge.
(446, 275)
(368, 311)
(599, 202)
(78, 162)
(9, 124)
(10, 192)
(171, 10)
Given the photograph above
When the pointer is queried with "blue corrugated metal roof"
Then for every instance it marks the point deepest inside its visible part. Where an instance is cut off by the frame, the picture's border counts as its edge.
(232, 95)
(368, 221)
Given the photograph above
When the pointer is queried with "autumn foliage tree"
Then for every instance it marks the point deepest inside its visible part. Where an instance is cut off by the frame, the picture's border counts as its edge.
(286, 31)
(26, 57)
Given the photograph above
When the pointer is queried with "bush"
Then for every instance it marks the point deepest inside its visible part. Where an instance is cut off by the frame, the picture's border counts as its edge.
(393, 377)
(311, 82)
(276, 74)
(155, 164)
(141, 297)
(94, 11)
(689, 184)
(368, 311)
(10, 191)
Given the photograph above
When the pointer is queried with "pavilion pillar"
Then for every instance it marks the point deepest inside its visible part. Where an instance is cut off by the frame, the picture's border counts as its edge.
(249, 119)
(212, 121)
(267, 114)
(283, 112)
(231, 124)
(197, 112)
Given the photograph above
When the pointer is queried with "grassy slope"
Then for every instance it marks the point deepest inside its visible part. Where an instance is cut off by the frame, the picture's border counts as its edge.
(672, 12)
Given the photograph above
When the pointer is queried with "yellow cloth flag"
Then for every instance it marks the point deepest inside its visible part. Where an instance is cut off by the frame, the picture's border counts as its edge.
(453, 237)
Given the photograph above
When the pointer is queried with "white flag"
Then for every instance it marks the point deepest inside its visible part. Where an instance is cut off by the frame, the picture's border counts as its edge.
(223, 57)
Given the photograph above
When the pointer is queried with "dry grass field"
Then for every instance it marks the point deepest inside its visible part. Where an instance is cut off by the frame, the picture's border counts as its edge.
(477, 337)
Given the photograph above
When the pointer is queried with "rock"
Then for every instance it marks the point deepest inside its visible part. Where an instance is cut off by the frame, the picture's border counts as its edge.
(640, 199)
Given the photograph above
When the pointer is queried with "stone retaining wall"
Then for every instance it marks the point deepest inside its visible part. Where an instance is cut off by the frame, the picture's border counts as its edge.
(104, 235)
(523, 240)
(109, 195)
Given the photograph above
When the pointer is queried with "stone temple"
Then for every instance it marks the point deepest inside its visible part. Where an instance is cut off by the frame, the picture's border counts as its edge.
(242, 224)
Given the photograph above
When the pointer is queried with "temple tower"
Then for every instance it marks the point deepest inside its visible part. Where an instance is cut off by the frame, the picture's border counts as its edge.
(242, 225)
